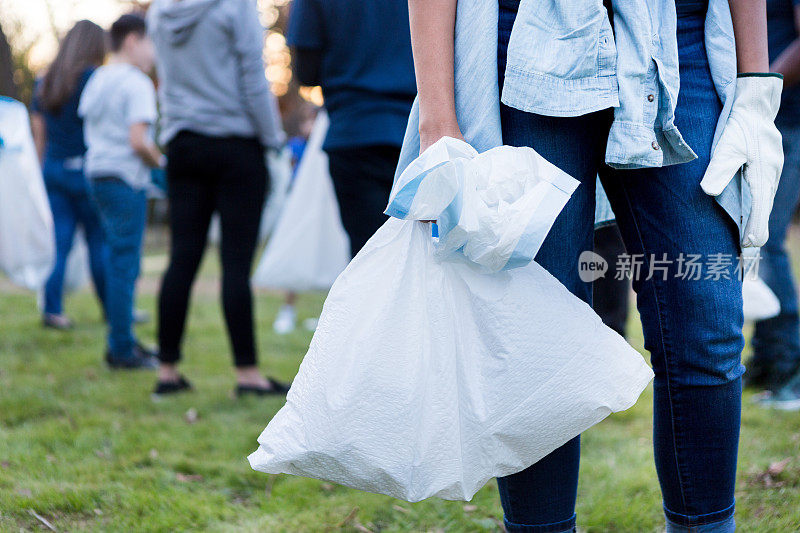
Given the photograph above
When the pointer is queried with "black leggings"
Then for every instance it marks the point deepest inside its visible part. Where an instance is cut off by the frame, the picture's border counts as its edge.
(205, 174)
(362, 178)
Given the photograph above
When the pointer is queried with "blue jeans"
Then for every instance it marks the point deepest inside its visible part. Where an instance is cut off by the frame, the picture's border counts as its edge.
(776, 341)
(123, 214)
(692, 328)
(72, 205)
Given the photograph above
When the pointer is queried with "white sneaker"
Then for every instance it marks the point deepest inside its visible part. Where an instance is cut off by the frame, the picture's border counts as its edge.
(285, 321)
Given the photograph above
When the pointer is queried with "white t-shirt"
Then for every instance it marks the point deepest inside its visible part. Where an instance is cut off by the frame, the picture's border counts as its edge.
(116, 97)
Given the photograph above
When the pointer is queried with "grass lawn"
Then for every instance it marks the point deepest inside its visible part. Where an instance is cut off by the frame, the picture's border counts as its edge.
(85, 448)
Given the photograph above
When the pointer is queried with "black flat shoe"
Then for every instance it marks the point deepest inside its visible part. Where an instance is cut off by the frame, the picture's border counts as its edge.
(172, 387)
(277, 388)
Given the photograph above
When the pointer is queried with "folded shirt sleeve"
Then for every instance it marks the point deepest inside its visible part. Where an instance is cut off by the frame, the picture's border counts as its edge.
(141, 101)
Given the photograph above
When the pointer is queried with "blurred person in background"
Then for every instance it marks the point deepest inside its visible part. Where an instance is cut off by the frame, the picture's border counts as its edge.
(218, 117)
(286, 318)
(359, 52)
(118, 107)
(776, 341)
(58, 132)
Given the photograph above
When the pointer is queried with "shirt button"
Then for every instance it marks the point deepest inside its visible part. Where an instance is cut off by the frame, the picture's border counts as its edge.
(655, 145)
(650, 97)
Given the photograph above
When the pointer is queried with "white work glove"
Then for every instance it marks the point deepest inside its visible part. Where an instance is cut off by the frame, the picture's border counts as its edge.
(751, 141)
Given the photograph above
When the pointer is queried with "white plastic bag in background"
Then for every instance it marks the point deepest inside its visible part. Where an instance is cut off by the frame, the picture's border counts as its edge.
(77, 272)
(495, 208)
(279, 165)
(309, 247)
(27, 240)
(760, 303)
(428, 377)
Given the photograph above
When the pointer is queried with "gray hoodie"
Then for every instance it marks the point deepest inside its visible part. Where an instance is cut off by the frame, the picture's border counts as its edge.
(211, 71)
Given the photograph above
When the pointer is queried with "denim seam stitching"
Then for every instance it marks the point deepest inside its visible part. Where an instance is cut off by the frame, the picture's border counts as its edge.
(571, 520)
(663, 347)
(697, 520)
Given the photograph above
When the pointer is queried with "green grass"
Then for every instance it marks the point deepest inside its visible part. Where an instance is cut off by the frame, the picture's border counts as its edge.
(86, 449)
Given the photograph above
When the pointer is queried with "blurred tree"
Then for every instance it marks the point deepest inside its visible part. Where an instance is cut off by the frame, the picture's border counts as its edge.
(7, 85)
(16, 75)
(294, 100)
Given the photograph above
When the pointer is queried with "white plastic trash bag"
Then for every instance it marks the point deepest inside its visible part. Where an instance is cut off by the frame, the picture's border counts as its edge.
(428, 377)
(495, 208)
(27, 240)
(78, 271)
(279, 165)
(309, 247)
(760, 303)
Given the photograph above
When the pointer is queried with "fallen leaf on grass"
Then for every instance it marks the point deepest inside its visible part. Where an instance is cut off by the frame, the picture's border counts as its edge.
(50, 458)
(153, 454)
(768, 478)
(777, 468)
(188, 478)
(191, 416)
(400, 508)
(5, 464)
(349, 518)
(470, 508)
(326, 487)
(765, 480)
(42, 519)
(98, 512)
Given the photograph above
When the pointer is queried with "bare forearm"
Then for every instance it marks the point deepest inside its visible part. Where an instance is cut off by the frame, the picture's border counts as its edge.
(750, 31)
(432, 41)
(150, 154)
(143, 146)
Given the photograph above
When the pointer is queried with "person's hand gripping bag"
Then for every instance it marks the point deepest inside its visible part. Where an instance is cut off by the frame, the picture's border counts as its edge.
(494, 208)
(429, 374)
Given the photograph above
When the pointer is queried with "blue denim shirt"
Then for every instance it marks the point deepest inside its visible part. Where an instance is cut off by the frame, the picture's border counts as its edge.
(565, 60)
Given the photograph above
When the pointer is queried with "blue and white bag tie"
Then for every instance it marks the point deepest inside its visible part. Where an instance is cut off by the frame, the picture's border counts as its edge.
(494, 208)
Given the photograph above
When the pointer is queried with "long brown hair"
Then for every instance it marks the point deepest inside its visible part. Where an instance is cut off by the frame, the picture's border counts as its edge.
(83, 46)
